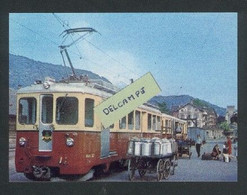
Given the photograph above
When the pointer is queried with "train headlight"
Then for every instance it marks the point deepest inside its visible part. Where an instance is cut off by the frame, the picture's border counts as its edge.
(69, 141)
(46, 85)
(22, 141)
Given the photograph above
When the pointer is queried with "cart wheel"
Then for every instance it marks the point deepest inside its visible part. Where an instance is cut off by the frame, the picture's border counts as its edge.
(167, 168)
(160, 170)
(131, 169)
(142, 168)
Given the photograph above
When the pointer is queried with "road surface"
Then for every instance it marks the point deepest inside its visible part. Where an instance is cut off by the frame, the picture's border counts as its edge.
(188, 170)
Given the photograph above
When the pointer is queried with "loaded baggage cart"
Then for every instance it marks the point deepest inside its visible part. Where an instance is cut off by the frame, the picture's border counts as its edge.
(154, 155)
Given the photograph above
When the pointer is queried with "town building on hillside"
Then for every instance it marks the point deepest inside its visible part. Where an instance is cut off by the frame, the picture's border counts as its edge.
(196, 116)
(230, 112)
(231, 119)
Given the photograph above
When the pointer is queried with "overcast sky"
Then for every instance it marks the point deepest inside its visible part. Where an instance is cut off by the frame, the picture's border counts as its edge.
(187, 53)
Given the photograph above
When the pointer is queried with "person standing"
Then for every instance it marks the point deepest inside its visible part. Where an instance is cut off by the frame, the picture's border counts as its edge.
(198, 145)
(229, 145)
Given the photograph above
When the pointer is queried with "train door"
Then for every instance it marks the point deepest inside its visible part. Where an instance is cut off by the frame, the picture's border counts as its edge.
(105, 142)
(45, 123)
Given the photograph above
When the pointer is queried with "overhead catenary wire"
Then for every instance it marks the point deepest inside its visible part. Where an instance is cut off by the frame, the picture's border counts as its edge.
(57, 45)
(63, 24)
(34, 32)
(101, 50)
(44, 37)
(111, 57)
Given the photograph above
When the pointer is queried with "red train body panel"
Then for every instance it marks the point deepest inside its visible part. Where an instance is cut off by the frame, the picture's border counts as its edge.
(79, 159)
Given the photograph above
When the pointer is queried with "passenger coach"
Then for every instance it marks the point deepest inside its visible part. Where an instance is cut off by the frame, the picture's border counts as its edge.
(59, 134)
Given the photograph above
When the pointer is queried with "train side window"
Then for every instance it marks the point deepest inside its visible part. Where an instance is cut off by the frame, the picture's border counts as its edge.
(122, 123)
(149, 121)
(67, 110)
(167, 126)
(89, 112)
(154, 123)
(131, 120)
(137, 120)
(158, 123)
(27, 111)
(111, 126)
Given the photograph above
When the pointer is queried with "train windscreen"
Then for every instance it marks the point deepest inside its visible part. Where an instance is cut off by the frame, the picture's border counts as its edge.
(67, 110)
(27, 110)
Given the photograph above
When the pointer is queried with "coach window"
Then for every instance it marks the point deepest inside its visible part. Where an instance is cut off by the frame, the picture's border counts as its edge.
(131, 120)
(122, 123)
(154, 123)
(27, 111)
(138, 120)
(149, 121)
(89, 113)
(158, 123)
(167, 126)
(67, 110)
(111, 126)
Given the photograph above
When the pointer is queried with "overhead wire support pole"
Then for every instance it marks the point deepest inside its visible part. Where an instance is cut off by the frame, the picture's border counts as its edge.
(61, 52)
(67, 55)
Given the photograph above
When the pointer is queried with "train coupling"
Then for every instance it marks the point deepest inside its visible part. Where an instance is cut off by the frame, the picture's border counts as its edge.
(42, 173)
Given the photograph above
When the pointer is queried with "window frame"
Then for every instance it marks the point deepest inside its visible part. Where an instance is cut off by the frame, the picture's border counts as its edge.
(149, 129)
(35, 112)
(154, 122)
(41, 114)
(93, 117)
(120, 123)
(135, 122)
(77, 99)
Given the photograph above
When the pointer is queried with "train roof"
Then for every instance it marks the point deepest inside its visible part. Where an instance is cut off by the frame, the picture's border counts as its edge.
(61, 87)
(94, 87)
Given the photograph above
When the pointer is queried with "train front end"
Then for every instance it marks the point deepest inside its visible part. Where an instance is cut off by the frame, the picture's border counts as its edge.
(49, 138)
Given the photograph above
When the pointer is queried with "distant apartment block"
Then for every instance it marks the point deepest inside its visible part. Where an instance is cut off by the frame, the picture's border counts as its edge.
(196, 116)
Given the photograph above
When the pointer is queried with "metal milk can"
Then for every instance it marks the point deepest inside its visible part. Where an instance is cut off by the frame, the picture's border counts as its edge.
(137, 147)
(166, 147)
(146, 147)
(131, 147)
(156, 147)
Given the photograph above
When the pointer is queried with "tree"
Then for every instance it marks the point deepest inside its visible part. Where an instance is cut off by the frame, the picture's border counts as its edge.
(163, 108)
(225, 126)
(200, 103)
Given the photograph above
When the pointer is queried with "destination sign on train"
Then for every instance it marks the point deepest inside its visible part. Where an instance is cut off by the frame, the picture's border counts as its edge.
(126, 100)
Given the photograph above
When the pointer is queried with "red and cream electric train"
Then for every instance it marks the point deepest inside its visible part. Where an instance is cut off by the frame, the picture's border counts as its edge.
(58, 133)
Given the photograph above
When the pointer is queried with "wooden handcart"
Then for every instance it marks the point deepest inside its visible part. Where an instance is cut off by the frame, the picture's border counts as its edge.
(162, 165)
(184, 147)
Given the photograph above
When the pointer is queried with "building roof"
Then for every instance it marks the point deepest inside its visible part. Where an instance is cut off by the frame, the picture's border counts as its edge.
(202, 109)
